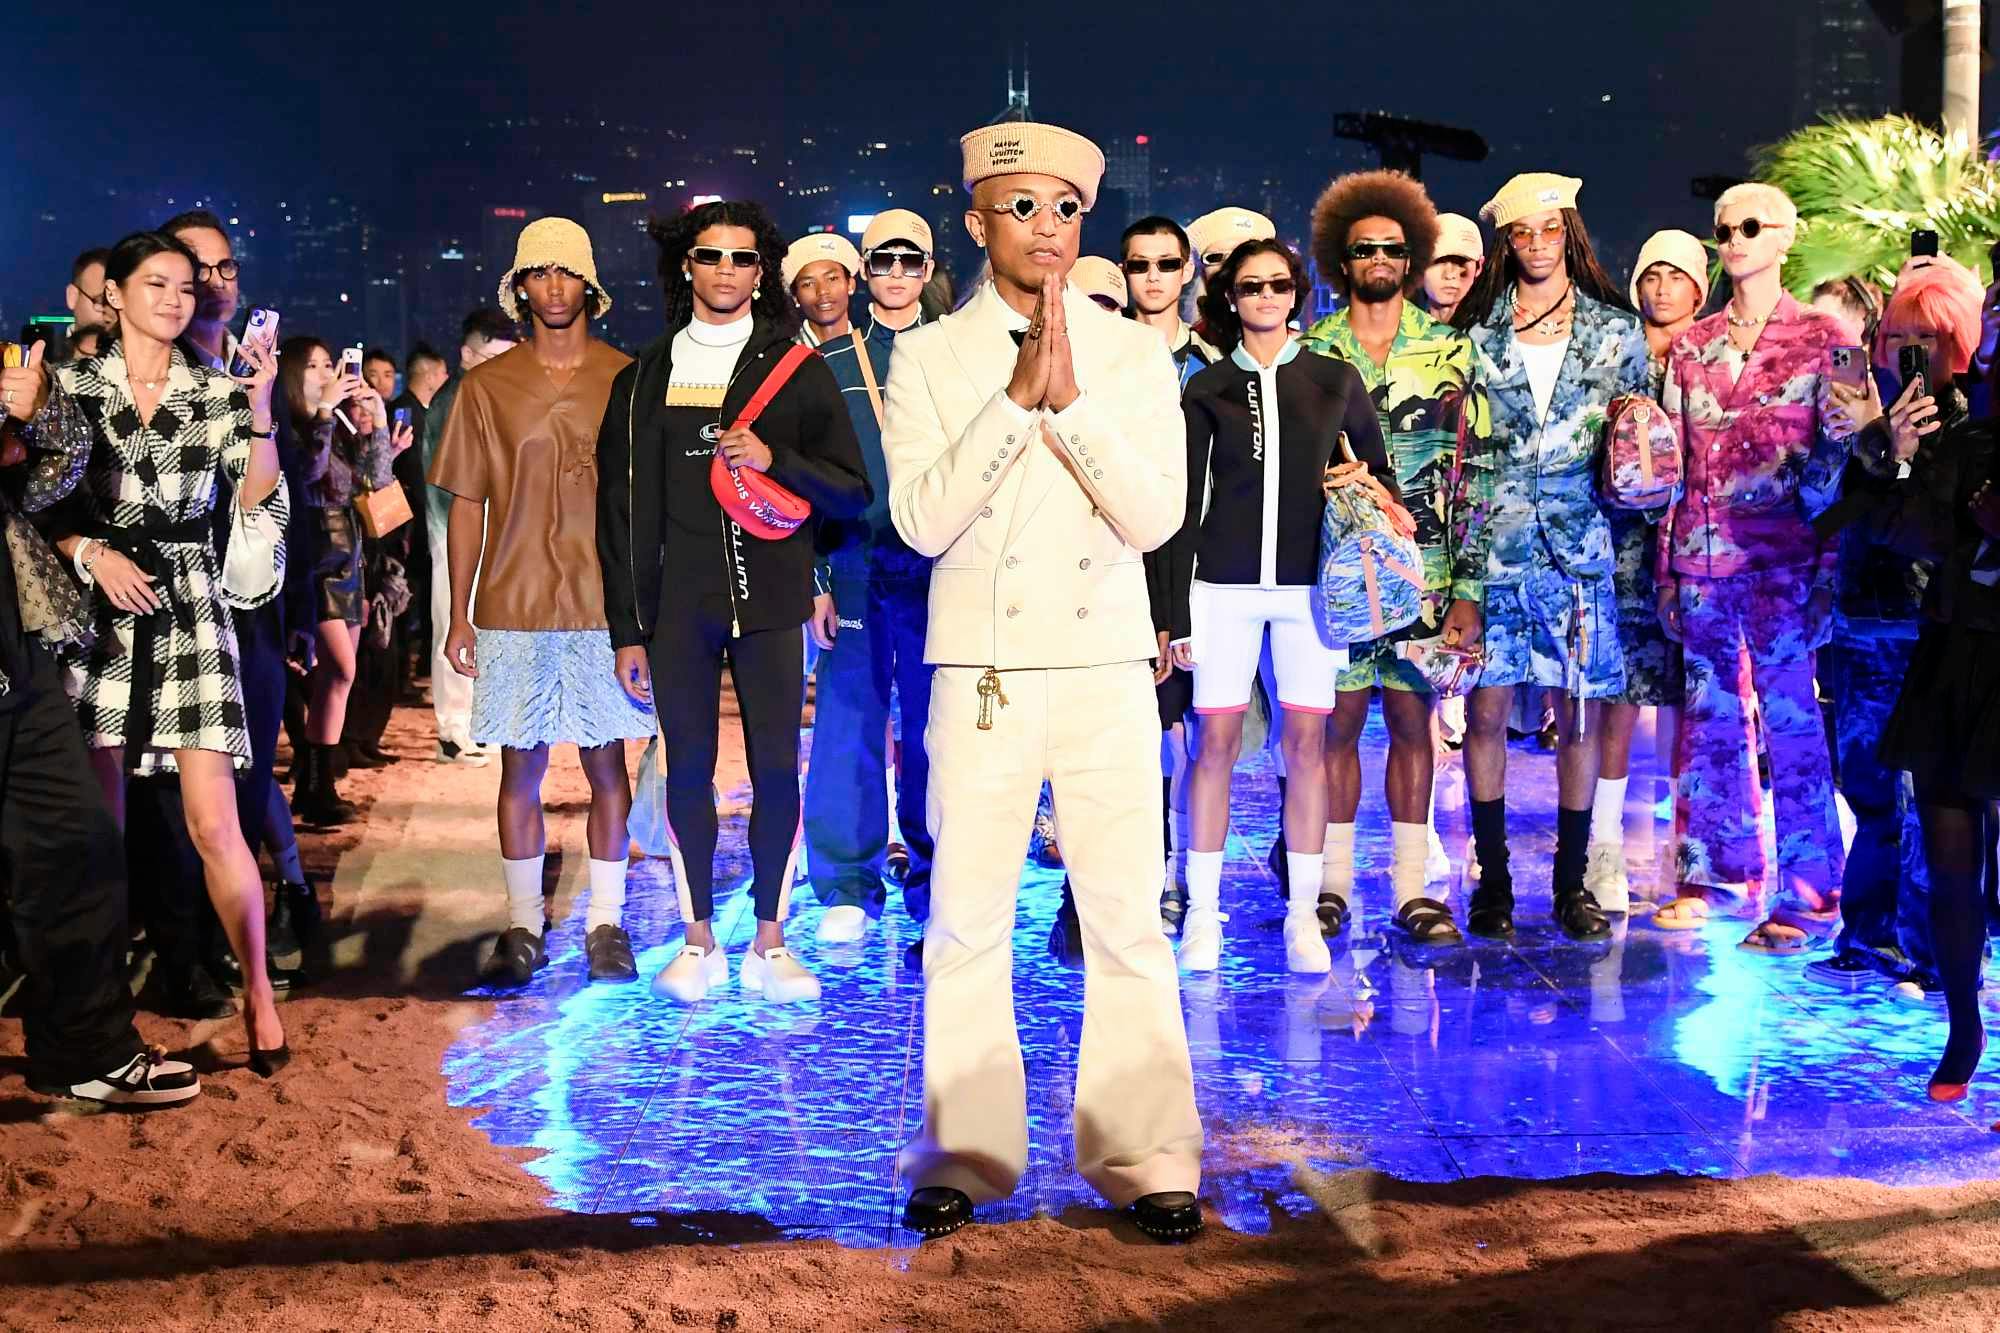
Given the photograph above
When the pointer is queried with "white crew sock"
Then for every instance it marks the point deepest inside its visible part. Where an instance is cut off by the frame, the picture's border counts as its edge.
(1337, 872)
(1177, 829)
(1607, 813)
(1410, 848)
(607, 895)
(895, 825)
(524, 892)
(1304, 870)
(1204, 881)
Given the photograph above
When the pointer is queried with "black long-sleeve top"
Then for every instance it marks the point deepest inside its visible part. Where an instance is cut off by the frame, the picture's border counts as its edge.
(814, 454)
(1255, 476)
(1928, 516)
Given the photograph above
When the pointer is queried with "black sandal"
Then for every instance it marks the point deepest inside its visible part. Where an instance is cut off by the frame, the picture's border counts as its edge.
(1332, 911)
(1428, 921)
(1580, 917)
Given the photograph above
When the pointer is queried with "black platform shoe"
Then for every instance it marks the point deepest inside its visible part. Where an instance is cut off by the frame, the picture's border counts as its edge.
(517, 955)
(937, 1210)
(609, 950)
(1579, 915)
(1490, 914)
(1170, 1217)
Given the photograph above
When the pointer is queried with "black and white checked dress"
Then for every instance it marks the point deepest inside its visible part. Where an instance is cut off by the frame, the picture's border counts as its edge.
(162, 474)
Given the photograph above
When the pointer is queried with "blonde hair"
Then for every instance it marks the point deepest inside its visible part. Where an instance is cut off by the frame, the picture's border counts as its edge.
(1784, 213)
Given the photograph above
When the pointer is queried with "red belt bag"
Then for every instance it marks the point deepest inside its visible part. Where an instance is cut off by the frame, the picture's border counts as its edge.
(755, 503)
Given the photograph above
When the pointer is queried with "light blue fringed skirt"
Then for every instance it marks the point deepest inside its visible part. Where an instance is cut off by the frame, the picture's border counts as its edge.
(548, 687)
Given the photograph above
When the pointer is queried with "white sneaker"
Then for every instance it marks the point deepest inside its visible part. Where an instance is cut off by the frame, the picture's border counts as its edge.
(845, 924)
(778, 977)
(1604, 878)
(694, 972)
(1201, 940)
(1305, 947)
(451, 752)
(1437, 862)
(143, 1083)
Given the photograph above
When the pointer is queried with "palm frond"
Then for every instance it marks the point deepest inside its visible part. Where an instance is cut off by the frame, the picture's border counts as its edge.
(1862, 186)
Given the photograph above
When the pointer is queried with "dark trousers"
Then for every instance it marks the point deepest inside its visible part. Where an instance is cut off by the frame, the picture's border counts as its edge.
(768, 670)
(68, 876)
(879, 645)
(378, 671)
(1885, 896)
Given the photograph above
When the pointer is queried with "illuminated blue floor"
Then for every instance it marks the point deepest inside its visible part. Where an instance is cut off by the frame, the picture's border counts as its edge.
(1657, 1052)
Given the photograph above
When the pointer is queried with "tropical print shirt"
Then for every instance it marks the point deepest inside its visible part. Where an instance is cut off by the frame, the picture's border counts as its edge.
(1745, 443)
(1545, 512)
(1438, 428)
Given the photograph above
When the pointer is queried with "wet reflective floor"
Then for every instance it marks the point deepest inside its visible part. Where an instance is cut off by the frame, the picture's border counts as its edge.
(1655, 1052)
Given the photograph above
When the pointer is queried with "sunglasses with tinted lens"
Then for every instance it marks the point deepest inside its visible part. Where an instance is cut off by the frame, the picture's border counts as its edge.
(1748, 228)
(882, 263)
(1216, 260)
(1025, 208)
(1171, 264)
(708, 256)
(1370, 249)
(1523, 237)
(1252, 287)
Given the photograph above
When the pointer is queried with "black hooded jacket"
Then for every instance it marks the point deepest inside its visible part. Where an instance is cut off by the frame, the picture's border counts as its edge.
(814, 454)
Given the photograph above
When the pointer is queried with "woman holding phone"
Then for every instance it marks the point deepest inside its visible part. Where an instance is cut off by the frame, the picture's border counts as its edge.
(158, 688)
(339, 427)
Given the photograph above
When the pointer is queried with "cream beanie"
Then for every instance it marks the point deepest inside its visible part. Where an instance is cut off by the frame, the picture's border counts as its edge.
(1025, 148)
(1680, 249)
(815, 246)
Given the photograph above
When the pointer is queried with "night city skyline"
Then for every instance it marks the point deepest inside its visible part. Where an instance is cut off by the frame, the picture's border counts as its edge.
(460, 127)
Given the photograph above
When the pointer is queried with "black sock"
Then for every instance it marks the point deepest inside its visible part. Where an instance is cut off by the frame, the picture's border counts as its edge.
(1167, 820)
(1572, 849)
(1489, 841)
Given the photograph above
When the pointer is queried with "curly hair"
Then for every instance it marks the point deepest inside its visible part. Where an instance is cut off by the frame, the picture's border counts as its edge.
(676, 236)
(1373, 194)
(1502, 269)
(1225, 329)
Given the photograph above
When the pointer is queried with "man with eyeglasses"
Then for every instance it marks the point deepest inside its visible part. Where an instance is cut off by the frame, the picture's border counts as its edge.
(84, 295)
(1453, 269)
(1373, 234)
(1036, 449)
(869, 619)
(216, 275)
(1158, 260)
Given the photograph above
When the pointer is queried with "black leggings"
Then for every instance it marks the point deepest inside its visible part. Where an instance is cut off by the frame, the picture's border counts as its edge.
(1958, 849)
(768, 668)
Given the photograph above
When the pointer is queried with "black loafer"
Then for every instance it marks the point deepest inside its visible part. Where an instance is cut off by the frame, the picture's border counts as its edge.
(1171, 1217)
(1490, 914)
(936, 1210)
(609, 950)
(517, 956)
(1580, 917)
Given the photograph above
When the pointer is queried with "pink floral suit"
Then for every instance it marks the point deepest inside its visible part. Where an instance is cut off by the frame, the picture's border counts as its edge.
(1738, 549)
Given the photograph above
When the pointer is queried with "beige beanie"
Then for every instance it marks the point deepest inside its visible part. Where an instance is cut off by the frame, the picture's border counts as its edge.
(1096, 276)
(553, 243)
(815, 246)
(1530, 192)
(897, 224)
(1680, 249)
(1458, 238)
(1017, 148)
(1227, 228)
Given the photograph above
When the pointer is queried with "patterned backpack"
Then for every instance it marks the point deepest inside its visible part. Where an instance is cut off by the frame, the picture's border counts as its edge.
(1642, 454)
(1371, 576)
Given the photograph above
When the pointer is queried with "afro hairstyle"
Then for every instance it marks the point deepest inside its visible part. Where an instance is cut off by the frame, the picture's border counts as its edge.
(1372, 194)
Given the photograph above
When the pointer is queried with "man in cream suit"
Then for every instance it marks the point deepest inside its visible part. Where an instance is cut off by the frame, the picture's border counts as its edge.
(1036, 449)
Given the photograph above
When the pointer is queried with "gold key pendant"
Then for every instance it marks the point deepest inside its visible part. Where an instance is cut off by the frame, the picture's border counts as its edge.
(989, 690)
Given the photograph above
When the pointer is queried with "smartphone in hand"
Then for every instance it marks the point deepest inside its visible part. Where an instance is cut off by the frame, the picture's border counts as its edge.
(261, 328)
(1923, 242)
(1913, 363)
(1850, 367)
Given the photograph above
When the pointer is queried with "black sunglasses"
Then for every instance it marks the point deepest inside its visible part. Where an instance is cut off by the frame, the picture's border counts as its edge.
(1748, 228)
(1386, 249)
(882, 263)
(1170, 264)
(708, 256)
(1250, 287)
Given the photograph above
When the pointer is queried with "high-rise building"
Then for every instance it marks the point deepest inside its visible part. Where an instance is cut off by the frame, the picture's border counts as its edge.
(627, 264)
(320, 275)
(1844, 62)
(1128, 166)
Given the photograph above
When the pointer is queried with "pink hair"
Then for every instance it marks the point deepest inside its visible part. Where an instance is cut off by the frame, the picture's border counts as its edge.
(1946, 299)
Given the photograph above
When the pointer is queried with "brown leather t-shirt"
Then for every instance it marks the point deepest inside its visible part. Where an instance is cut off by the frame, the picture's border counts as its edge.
(529, 451)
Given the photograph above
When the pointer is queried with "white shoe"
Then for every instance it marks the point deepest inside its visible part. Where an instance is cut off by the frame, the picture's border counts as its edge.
(1437, 862)
(1605, 879)
(694, 972)
(845, 924)
(1305, 947)
(451, 752)
(1201, 940)
(778, 977)
(143, 1083)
